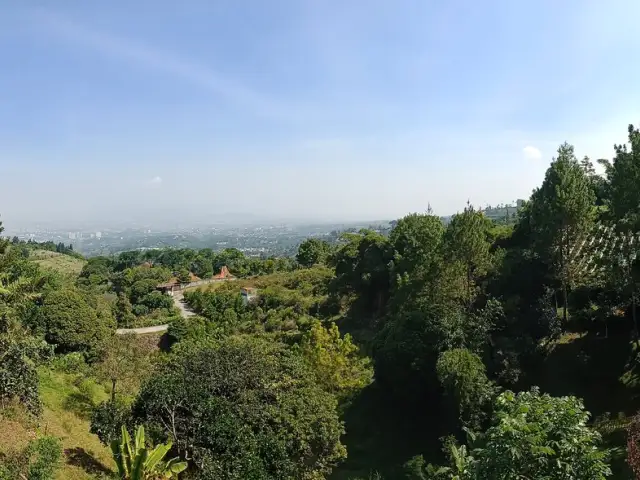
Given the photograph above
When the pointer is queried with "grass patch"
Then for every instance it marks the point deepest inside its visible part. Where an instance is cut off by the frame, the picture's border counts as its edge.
(65, 264)
(67, 400)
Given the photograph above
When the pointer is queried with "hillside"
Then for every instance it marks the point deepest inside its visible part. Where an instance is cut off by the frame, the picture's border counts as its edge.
(67, 400)
(65, 264)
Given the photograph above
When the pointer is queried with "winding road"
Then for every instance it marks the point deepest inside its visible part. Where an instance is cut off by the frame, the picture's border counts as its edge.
(178, 301)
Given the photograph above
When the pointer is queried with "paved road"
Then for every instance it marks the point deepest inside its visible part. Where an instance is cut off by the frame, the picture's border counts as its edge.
(178, 301)
(154, 329)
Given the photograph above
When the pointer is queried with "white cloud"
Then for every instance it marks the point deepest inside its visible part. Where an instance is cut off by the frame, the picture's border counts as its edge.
(531, 153)
(155, 181)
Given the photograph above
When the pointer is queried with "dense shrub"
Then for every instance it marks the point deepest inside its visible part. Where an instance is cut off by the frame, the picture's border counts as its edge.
(254, 411)
(40, 460)
(72, 325)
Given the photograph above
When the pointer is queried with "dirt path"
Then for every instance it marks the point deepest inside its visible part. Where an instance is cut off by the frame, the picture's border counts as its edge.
(178, 301)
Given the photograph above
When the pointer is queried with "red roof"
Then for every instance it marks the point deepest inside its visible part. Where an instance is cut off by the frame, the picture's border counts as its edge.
(224, 273)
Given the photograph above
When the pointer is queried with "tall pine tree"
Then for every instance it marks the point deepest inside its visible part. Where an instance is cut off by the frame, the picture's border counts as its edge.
(562, 214)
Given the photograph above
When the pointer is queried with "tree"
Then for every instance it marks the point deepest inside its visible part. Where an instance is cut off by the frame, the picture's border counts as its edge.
(184, 276)
(156, 299)
(464, 379)
(312, 251)
(416, 240)
(72, 325)
(335, 360)
(243, 408)
(124, 364)
(362, 270)
(467, 243)
(623, 177)
(123, 310)
(562, 214)
(136, 461)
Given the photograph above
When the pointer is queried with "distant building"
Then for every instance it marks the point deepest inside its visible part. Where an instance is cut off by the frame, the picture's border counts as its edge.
(504, 212)
(248, 294)
(224, 274)
(174, 284)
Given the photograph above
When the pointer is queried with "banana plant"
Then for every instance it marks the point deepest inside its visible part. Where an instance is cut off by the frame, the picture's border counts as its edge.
(137, 462)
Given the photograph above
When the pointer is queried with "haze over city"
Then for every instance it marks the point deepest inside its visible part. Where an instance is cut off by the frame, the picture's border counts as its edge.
(301, 110)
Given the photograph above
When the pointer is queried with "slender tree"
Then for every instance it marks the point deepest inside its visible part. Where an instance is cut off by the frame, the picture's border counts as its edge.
(467, 243)
(623, 179)
(561, 216)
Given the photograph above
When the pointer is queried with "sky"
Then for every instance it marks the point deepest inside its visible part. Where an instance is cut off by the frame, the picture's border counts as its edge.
(306, 109)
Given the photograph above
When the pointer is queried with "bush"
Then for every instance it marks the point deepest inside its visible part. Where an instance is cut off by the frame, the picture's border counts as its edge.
(107, 420)
(156, 300)
(73, 326)
(73, 362)
(244, 408)
(139, 310)
(40, 460)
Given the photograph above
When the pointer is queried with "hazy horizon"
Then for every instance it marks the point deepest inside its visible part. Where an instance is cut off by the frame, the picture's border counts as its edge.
(305, 110)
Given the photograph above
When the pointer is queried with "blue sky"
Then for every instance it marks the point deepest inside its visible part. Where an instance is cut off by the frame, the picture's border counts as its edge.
(303, 108)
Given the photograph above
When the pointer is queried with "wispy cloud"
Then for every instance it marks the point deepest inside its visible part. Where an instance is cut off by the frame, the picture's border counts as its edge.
(141, 55)
(155, 181)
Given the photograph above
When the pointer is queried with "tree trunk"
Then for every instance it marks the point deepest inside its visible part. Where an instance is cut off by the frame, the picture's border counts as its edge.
(634, 315)
(565, 300)
(113, 391)
(469, 280)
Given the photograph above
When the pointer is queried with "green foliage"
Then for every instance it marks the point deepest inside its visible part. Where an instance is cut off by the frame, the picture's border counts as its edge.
(254, 411)
(124, 364)
(362, 269)
(136, 461)
(561, 215)
(73, 362)
(72, 325)
(537, 436)
(416, 241)
(108, 418)
(339, 368)
(464, 379)
(123, 310)
(467, 243)
(40, 460)
(623, 176)
(542, 437)
(156, 300)
(183, 276)
(313, 251)
(20, 353)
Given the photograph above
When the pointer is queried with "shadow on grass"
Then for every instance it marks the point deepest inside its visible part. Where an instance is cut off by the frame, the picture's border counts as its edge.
(599, 370)
(79, 403)
(79, 457)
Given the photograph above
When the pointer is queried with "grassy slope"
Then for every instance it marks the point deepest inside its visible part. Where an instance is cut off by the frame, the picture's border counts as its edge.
(64, 264)
(65, 416)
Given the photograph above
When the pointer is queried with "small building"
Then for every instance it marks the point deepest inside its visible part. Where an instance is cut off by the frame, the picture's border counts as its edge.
(173, 285)
(223, 275)
(248, 294)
